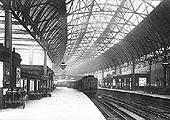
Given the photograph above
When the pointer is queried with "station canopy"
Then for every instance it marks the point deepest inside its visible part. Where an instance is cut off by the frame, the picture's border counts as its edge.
(91, 35)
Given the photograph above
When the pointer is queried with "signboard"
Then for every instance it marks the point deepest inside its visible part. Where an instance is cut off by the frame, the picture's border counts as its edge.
(142, 81)
(18, 77)
(45, 77)
(114, 82)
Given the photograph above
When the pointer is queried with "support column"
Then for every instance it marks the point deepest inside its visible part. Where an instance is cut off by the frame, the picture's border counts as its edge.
(164, 81)
(1, 87)
(102, 74)
(120, 79)
(165, 65)
(52, 82)
(103, 81)
(168, 76)
(35, 84)
(133, 75)
(120, 70)
(45, 66)
(115, 70)
(8, 40)
(150, 73)
(28, 84)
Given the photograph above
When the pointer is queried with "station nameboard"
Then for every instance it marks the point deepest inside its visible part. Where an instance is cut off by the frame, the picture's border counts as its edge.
(45, 77)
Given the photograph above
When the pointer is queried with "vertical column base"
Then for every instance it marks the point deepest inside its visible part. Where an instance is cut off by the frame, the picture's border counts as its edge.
(1, 98)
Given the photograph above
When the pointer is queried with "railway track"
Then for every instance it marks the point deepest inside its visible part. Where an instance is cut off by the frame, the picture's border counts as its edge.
(128, 109)
(109, 112)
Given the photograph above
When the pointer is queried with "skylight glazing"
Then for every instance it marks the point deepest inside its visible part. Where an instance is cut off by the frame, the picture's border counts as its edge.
(21, 39)
(100, 24)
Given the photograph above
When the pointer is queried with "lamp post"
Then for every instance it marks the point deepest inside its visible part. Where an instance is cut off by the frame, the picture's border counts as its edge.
(165, 65)
(150, 73)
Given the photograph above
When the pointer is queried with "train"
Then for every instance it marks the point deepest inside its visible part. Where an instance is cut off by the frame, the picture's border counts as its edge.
(88, 85)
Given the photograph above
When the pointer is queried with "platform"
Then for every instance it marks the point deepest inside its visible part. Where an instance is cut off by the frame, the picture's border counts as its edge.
(65, 104)
(140, 92)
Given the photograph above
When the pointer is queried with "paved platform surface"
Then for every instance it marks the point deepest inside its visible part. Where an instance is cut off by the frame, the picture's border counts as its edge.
(141, 93)
(65, 104)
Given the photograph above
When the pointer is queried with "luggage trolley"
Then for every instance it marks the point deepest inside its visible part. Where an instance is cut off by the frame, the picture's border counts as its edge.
(16, 96)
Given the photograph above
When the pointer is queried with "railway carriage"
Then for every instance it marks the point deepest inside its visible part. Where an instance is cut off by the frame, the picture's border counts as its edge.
(88, 85)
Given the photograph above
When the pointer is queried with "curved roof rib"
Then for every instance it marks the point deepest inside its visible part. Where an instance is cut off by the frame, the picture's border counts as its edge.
(46, 21)
(117, 30)
(101, 33)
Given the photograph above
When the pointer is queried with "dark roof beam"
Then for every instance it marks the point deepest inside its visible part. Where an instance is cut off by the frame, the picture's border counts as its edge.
(83, 31)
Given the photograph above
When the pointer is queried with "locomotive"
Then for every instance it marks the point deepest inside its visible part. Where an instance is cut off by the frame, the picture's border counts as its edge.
(87, 84)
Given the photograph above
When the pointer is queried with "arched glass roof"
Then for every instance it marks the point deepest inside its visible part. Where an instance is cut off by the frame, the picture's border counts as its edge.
(43, 21)
(89, 35)
(94, 26)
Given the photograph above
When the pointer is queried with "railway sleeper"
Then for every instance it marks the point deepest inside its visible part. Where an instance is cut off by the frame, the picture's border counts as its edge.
(135, 114)
(124, 102)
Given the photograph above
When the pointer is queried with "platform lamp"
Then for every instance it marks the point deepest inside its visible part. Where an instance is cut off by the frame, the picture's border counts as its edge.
(63, 65)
